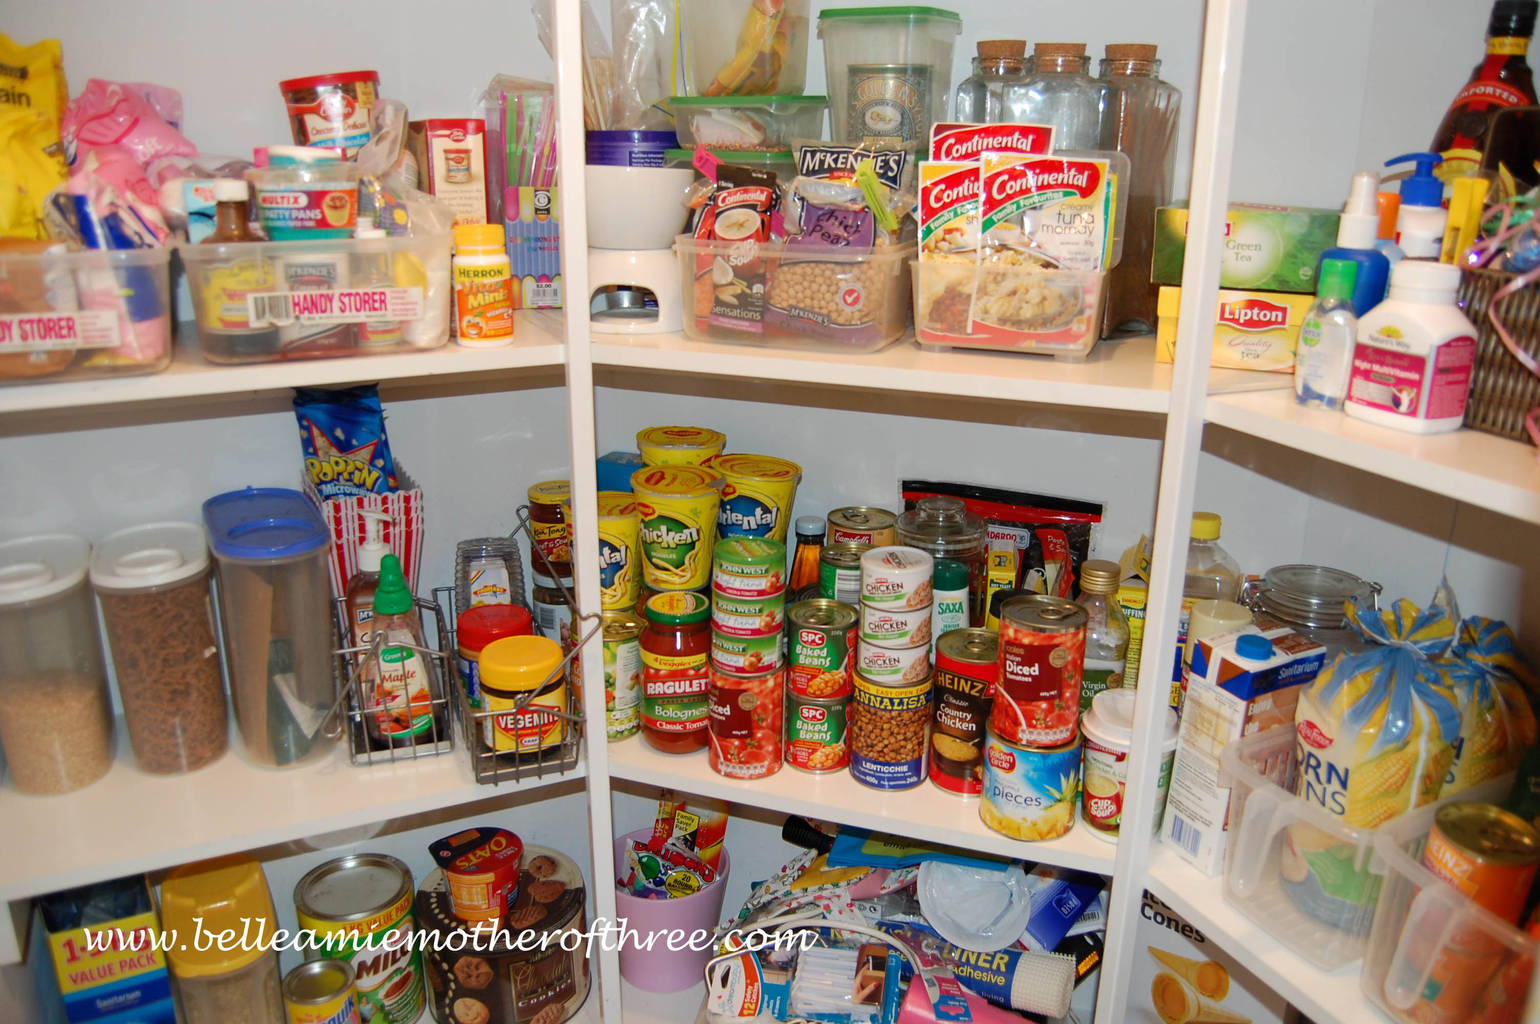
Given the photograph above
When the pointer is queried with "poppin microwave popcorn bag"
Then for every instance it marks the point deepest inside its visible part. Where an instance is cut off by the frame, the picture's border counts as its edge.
(1491, 683)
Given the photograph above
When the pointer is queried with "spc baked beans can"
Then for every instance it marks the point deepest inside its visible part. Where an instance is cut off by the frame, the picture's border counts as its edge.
(889, 726)
(746, 722)
(966, 663)
(745, 616)
(320, 992)
(874, 527)
(897, 577)
(622, 674)
(895, 627)
(1042, 657)
(816, 733)
(839, 571)
(748, 567)
(481, 865)
(822, 635)
(1029, 792)
(360, 908)
(892, 665)
(745, 655)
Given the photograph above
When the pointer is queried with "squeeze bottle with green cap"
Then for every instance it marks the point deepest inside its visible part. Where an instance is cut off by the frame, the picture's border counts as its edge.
(400, 686)
(1324, 356)
(1420, 224)
(359, 602)
(1357, 232)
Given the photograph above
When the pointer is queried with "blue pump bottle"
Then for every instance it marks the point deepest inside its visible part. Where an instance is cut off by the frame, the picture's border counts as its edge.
(1356, 235)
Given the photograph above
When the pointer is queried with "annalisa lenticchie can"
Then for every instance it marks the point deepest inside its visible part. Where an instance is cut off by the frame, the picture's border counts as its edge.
(888, 730)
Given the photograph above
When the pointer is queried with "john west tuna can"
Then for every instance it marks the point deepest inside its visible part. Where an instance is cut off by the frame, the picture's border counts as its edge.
(888, 730)
(966, 664)
(360, 908)
(320, 992)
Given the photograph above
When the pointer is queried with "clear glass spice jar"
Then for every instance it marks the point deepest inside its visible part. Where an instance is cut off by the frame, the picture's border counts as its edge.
(153, 585)
(1312, 601)
(239, 985)
(1059, 90)
(1000, 62)
(55, 715)
(943, 526)
(1141, 122)
(1106, 629)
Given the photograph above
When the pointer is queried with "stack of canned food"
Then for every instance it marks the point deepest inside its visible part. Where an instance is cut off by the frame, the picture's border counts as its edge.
(748, 616)
(890, 715)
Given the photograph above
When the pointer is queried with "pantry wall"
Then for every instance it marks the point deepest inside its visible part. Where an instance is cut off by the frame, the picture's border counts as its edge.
(475, 445)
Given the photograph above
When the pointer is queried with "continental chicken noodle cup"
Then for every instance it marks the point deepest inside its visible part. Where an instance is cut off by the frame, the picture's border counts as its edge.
(620, 579)
(679, 446)
(757, 497)
(1376, 739)
(677, 509)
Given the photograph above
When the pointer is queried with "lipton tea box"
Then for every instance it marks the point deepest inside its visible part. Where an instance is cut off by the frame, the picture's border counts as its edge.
(1252, 330)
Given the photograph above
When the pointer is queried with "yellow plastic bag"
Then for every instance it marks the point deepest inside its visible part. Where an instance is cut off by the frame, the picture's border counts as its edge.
(31, 166)
(1488, 677)
(32, 78)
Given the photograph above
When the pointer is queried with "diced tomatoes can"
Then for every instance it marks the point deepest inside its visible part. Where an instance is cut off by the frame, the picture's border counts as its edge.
(1042, 658)
(966, 663)
(746, 723)
(816, 733)
(874, 527)
(822, 636)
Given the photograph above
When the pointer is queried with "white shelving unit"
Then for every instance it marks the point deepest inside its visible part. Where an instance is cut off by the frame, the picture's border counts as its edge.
(130, 822)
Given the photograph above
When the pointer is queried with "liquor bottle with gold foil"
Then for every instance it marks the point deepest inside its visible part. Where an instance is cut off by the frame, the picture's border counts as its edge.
(1502, 79)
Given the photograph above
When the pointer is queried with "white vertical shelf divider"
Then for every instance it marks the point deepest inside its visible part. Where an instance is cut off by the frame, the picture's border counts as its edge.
(584, 479)
(1218, 96)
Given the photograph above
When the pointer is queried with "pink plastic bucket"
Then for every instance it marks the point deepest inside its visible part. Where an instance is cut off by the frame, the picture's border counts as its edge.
(661, 969)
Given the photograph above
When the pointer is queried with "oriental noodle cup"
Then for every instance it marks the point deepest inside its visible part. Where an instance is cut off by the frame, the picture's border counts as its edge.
(679, 446)
(677, 506)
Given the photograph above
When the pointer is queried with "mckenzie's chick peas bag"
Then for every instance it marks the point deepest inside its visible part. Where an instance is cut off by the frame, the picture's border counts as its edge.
(1376, 735)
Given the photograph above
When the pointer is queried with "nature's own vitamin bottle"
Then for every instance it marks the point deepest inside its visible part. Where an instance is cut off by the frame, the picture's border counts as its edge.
(483, 287)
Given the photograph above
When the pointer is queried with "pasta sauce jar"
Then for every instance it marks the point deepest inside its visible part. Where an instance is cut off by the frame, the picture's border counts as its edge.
(1042, 659)
(548, 515)
(676, 645)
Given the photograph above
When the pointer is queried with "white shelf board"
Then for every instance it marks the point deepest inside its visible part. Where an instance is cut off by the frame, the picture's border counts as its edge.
(925, 812)
(1476, 468)
(129, 822)
(640, 1007)
(1326, 997)
(537, 344)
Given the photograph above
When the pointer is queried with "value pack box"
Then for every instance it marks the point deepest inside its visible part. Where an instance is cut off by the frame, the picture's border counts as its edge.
(1267, 248)
(1252, 330)
(534, 246)
(1181, 975)
(92, 952)
(1230, 694)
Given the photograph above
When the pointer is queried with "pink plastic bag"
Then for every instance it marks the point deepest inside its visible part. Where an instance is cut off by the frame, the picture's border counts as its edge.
(115, 114)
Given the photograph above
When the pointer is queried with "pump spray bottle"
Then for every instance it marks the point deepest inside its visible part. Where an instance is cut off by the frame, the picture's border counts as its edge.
(1420, 224)
(1356, 234)
(401, 686)
(359, 601)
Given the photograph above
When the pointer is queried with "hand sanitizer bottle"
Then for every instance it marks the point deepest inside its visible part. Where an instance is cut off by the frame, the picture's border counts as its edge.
(1324, 357)
(1356, 236)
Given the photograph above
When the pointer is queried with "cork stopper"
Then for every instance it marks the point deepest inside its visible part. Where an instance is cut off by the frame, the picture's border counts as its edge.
(1058, 50)
(1002, 49)
(1131, 51)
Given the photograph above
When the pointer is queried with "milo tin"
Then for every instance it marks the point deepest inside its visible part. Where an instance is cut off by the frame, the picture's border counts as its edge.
(360, 908)
(320, 992)
(822, 646)
(622, 674)
(966, 665)
(888, 103)
(749, 567)
(748, 616)
(839, 571)
(745, 655)
(816, 733)
(874, 527)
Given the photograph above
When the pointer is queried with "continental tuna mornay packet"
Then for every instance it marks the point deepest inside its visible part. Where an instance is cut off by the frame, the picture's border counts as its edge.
(1063, 211)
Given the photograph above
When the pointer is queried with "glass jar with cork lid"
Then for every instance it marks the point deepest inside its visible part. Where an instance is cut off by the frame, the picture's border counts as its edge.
(1060, 91)
(942, 526)
(1000, 62)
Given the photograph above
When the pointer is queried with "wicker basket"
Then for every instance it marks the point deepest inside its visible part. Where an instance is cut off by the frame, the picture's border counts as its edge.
(1502, 392)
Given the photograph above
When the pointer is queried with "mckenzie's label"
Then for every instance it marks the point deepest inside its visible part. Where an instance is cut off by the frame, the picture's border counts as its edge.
(1063, 206)
(335, 306)
(674, 692)
(42, 332)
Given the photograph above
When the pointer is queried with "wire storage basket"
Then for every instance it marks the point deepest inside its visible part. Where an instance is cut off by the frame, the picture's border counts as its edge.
(365, 747)
(1502, 391)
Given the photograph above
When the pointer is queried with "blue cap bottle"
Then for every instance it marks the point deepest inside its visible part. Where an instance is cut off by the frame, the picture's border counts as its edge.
(1420, 224)
(1356, 235)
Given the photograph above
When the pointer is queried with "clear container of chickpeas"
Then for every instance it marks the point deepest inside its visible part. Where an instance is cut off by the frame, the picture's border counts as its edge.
(794, 295)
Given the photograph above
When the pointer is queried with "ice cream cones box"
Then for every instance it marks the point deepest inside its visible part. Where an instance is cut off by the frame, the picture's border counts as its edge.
(1241, 683)
(1269, 248)
(1252, 330)
(1181, 976)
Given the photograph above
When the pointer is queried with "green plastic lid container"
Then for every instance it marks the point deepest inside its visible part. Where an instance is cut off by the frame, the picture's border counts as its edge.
(889, 14)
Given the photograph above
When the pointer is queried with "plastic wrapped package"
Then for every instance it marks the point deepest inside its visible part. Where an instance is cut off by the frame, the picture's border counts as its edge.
(642, 32)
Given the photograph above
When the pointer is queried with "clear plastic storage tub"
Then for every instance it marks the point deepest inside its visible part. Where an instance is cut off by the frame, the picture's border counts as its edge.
(1434, 954)
(822, 298)
(889, 71)
(748, 122)
(83, 314)
(259, 302)
(1294, 868)
(744, 47)
(1008, 309)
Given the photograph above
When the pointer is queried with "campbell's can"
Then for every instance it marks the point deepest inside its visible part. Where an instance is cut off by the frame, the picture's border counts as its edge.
(822, 644)
(874, 527)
